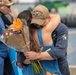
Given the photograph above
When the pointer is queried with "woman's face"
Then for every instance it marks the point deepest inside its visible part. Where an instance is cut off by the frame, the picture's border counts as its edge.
(4, 9)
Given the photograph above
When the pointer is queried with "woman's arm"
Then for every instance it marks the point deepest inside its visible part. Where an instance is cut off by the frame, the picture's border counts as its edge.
(53, 22)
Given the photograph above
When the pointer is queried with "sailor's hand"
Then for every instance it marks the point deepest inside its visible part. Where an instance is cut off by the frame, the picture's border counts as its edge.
(31, 55)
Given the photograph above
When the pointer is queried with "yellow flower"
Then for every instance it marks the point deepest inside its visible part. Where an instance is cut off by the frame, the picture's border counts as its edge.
(17, 25)
(7, 34)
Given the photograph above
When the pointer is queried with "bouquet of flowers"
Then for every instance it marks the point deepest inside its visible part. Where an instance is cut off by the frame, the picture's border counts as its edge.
(18, 36)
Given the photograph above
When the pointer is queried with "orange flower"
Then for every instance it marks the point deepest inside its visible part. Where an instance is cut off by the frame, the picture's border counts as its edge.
(17, 25)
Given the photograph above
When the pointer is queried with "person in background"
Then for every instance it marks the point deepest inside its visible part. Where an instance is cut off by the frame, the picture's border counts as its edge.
(53, 10)
(6, 4)
(4, 10)
(3, 48)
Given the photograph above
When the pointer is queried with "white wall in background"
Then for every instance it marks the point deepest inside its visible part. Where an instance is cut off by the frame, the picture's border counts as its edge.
(26, 1)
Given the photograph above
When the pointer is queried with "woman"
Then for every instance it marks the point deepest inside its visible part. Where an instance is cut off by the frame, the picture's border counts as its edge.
(4, 10)
(44, 59)
(43, 25)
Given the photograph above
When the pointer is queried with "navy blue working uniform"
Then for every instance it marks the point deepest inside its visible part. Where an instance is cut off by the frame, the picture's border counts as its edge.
(59, 52)
(3, 48)
(5, 64)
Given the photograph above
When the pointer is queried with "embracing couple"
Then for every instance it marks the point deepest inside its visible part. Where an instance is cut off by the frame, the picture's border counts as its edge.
(52, 36)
